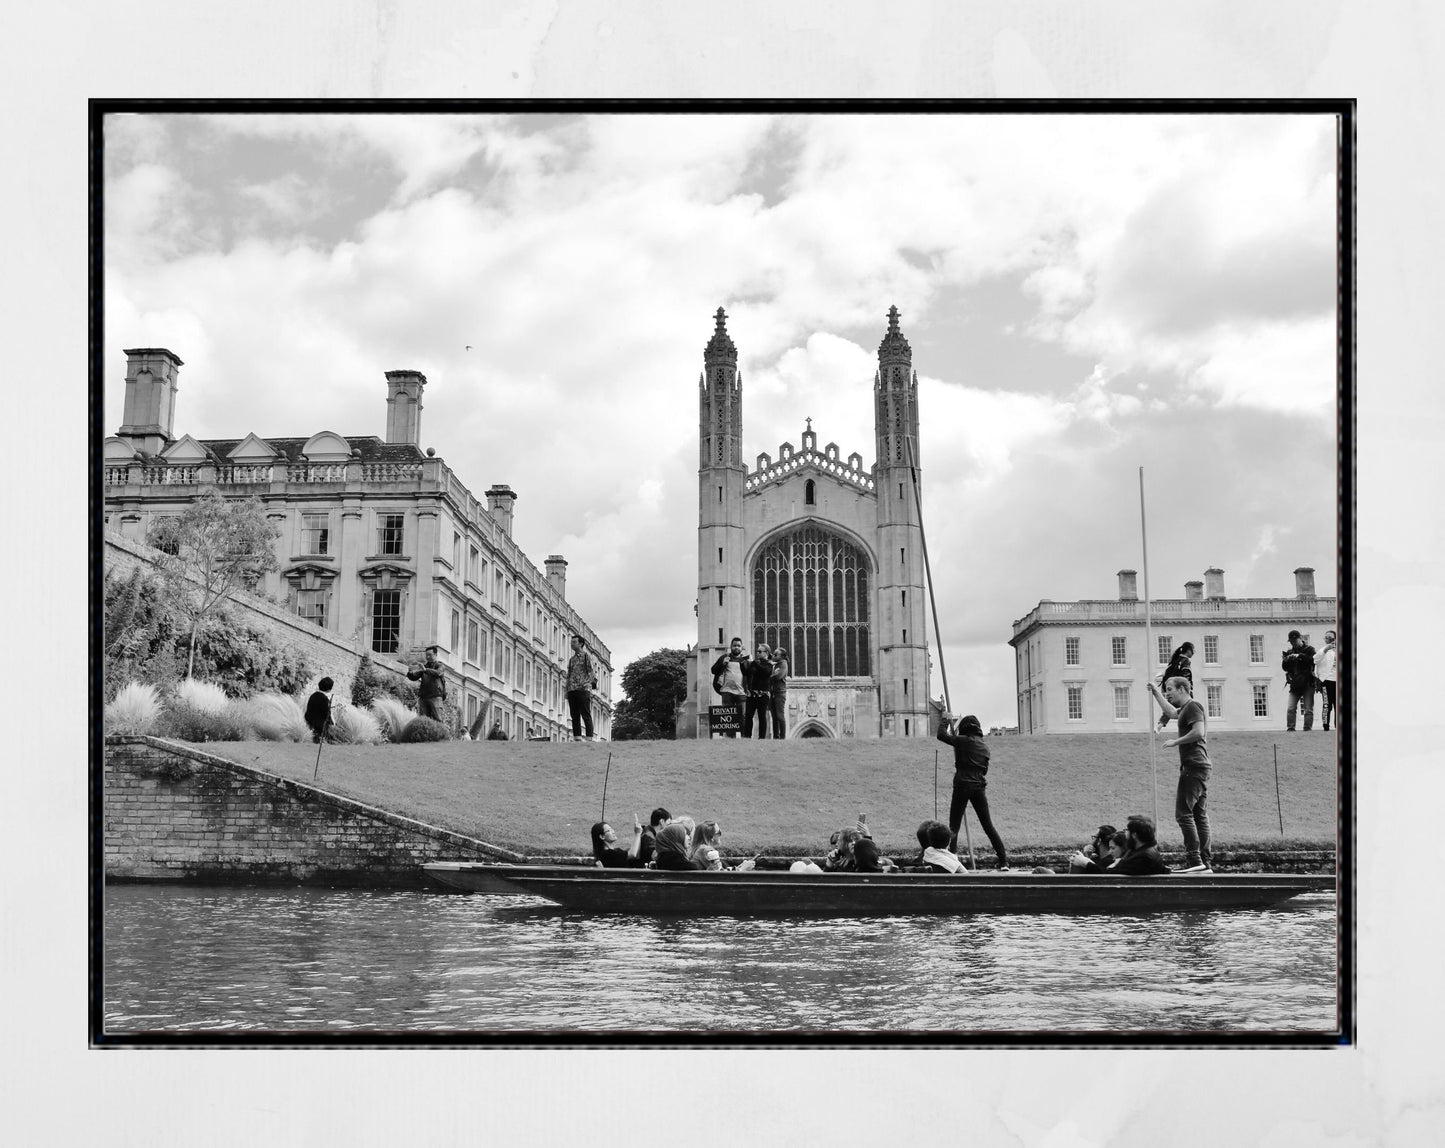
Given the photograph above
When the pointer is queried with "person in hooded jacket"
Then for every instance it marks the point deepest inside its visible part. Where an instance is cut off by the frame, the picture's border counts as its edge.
(970, 769)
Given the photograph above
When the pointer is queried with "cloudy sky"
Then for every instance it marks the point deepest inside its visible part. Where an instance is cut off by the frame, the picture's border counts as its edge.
(1085, 295)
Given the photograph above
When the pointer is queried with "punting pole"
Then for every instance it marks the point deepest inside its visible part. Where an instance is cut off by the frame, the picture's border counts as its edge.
(1277, 806)
(1148, 644)
(935, 785)
(607, 773)
(937, 634)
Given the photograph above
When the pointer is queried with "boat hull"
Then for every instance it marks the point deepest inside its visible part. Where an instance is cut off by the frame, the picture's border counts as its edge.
(762, 892)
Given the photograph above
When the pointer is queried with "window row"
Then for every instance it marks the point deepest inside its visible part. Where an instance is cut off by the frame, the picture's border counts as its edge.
(1121, 693)
(1208, 655)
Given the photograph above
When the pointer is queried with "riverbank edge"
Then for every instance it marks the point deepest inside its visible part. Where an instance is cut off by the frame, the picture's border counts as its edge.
(1305, 857)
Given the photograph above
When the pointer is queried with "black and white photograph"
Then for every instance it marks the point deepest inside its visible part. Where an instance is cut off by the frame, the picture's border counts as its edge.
(744, 573)
(648, 564)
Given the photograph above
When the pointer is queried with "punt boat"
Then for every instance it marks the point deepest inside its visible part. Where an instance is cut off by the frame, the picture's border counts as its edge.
(761, 892)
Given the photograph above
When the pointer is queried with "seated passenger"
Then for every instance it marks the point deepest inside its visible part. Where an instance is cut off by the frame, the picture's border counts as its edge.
(936, 857)
(915, 864)
(656, 821)
(704, 845)
(689, 827)
(1097, 850)
(606, 851)
(1141, 853)
(1100, 861)
(840, 857)
(867, 859)
(672, 849)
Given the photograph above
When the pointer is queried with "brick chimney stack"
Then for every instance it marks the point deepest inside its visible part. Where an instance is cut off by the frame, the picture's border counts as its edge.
(1128, 585)
(557, 574)
(403, 406)
(1194, 591)
(1304, 582)
(499, 502)
(1214, 583)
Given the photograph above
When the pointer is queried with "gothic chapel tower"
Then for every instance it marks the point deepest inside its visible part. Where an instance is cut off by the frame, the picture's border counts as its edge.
(720, 541)
(902, 637)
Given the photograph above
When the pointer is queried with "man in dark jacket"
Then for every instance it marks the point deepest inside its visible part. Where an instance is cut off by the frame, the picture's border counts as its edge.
(1298, 664)
(318, 710)
(970, 767)
(1141, 854)
(730, 677)
(433, 689)
(647, 846)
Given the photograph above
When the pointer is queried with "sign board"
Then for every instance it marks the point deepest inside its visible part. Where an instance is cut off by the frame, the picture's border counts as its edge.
(725, 718)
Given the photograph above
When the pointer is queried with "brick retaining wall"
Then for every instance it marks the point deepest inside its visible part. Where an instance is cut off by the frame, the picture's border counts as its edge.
(173, 813)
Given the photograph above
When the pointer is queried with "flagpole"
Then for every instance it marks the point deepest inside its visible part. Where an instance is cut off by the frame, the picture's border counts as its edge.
(1148, 646)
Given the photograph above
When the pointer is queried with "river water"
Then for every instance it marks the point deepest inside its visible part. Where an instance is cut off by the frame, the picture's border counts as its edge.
(193, 960)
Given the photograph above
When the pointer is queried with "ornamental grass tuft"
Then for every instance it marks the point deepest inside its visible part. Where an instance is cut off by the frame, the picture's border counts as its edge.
(204, 697)
(278, 717)
(392, 714)
(186, 721)
(424, 729)
(135, 710)
(352, 725)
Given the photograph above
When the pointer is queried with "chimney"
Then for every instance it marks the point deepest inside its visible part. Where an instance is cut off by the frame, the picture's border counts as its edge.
(1194, 591)
(1304, 582)
(499, 502)
(1128, 585)
(403, 406)
(150, 398)
(1214, 583)
(557, 574)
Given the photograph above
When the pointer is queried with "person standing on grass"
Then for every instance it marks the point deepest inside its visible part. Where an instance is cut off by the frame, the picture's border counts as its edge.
(970, 767)
(729, 677)
(758, 680)
(433, 689)
(778, 691)
(1326, 665)
(1298, 664)
(581, 681)
(318, 710)
(1190, 807)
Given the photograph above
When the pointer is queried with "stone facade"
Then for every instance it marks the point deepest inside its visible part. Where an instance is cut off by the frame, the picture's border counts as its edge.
(1082, 666)
(814, 552)
(380, 544)
(173, 813)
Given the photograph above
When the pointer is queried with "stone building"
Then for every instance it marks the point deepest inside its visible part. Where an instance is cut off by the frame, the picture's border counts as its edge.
(379, 541)
(817, 553)
(1081, 666)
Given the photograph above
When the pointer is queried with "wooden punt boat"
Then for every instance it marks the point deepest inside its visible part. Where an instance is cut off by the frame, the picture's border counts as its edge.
(650, 892)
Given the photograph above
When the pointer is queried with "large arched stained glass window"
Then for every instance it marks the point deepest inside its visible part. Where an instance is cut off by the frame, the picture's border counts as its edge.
(810, 596)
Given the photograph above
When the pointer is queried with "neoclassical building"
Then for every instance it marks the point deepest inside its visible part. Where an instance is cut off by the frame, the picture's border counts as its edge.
(379, 541)
(817, 553)
(1082, 666)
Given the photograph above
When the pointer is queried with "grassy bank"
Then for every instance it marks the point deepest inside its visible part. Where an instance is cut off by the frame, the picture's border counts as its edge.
(787, 796)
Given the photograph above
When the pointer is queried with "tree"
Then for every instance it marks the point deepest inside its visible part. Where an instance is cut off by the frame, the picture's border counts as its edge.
(212, 549)
(654, 684)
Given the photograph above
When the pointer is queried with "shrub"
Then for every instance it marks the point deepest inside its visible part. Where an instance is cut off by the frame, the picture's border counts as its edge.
(135, 710)
(278, 717)
(185, 721)
(392, 715)
(244, 659)
(354, 726)
(424, 729)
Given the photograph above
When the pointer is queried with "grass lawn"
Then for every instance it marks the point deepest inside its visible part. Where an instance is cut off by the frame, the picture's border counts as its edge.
(783, 797)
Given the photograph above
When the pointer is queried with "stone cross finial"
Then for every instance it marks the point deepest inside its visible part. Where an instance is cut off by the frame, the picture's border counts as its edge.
(809, 422)
(892, 320)
(720, 316)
